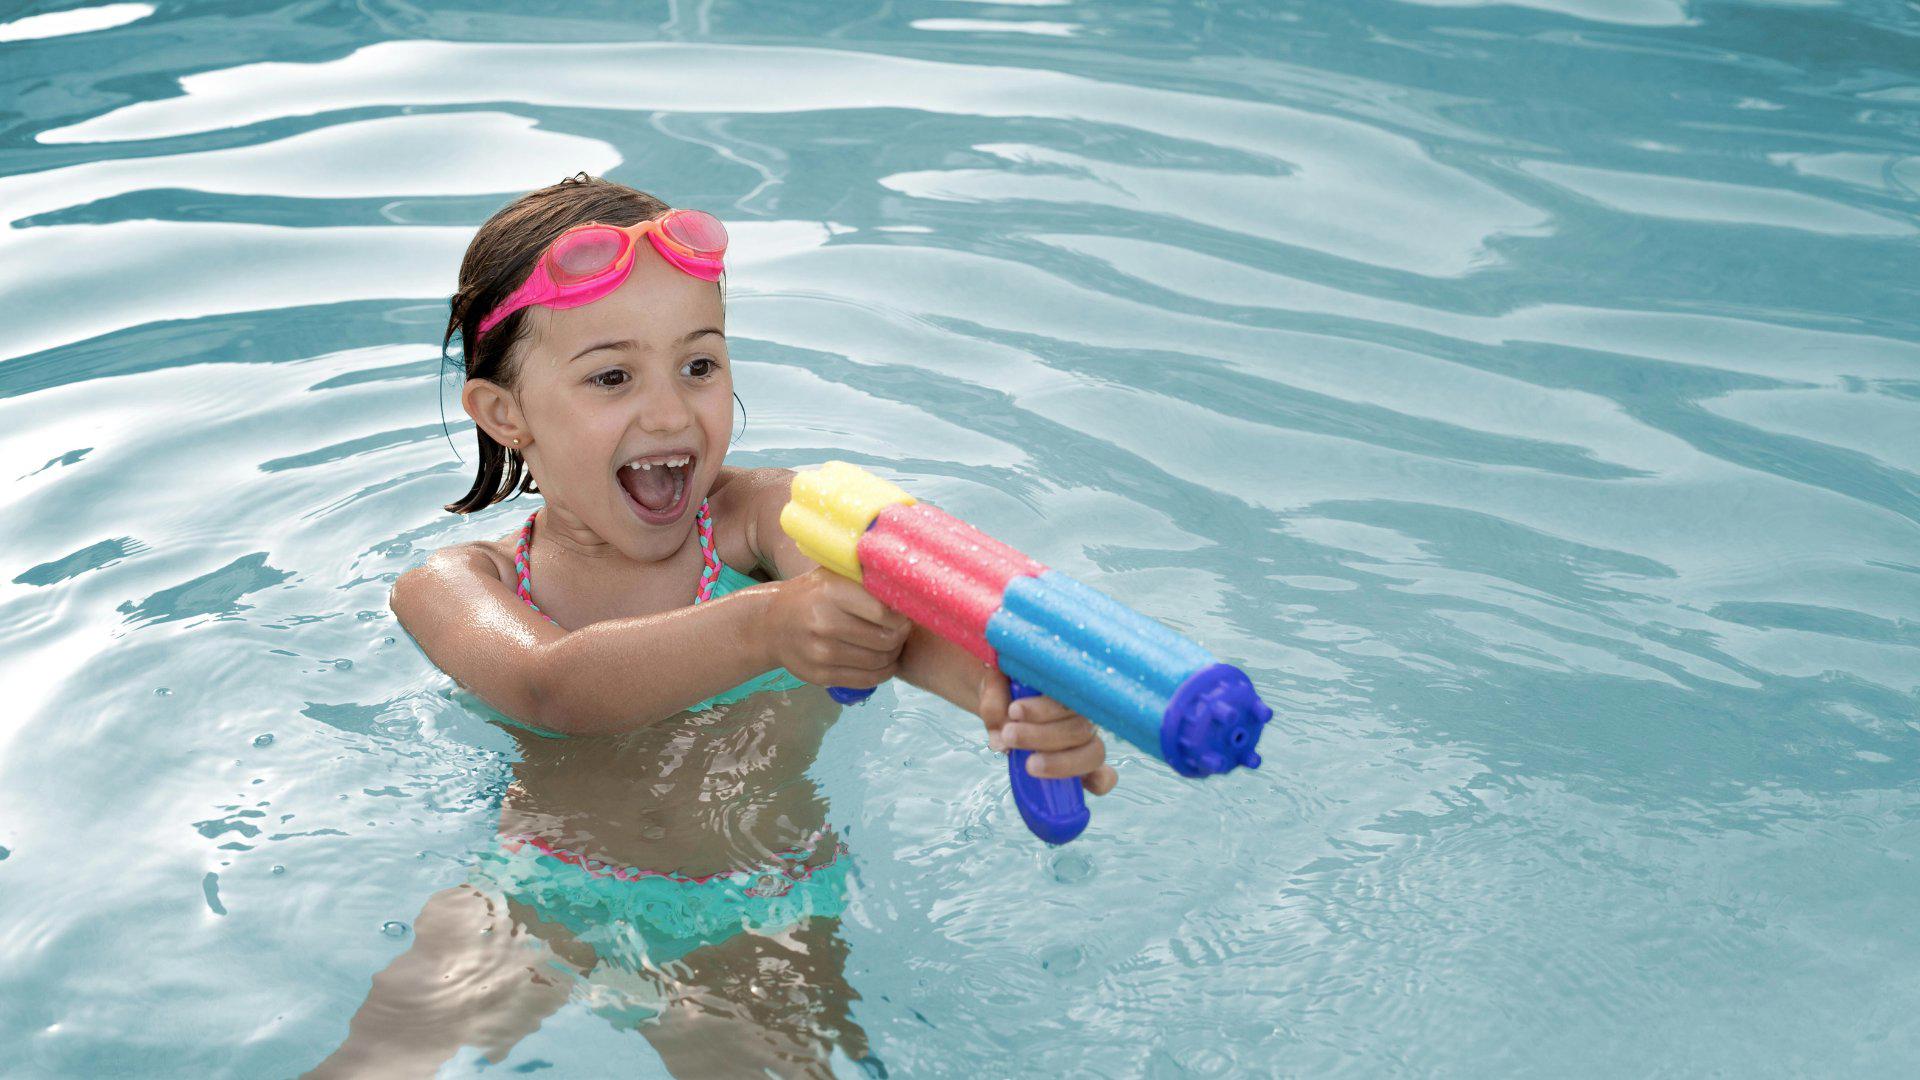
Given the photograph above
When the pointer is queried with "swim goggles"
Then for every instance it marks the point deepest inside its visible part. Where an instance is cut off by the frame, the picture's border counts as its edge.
(589, 261)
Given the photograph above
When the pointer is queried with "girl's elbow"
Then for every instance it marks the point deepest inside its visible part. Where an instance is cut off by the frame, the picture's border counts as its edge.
(544, 691)
(563, 703)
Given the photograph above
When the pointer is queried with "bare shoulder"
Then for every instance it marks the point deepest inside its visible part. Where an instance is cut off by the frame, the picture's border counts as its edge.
(746, 503)
(452, 565)
(460, 607)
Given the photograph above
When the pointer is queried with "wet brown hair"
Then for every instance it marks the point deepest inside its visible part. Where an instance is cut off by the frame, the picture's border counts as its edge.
(500, 257)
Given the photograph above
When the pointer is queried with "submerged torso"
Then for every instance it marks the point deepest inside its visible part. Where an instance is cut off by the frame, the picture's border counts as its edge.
(698, 793)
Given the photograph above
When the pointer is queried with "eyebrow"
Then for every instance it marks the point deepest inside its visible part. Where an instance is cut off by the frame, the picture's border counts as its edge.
(628, 343)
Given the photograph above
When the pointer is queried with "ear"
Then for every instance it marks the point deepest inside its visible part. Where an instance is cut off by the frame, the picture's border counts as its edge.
(496, 413)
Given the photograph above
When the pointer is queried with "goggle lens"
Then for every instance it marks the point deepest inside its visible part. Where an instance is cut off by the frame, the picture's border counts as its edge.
(696, 230)
(585, 253)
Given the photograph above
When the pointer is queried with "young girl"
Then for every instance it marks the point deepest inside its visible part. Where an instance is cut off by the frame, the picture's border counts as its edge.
(680, 863)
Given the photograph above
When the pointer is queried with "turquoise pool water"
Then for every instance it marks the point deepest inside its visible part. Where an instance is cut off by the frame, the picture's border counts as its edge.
(1527, 394)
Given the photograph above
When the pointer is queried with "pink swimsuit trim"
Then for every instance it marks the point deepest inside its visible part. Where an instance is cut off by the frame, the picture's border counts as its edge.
(709, 569)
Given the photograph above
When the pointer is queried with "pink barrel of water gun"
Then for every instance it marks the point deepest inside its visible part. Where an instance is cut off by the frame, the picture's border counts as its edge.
(1047, 632)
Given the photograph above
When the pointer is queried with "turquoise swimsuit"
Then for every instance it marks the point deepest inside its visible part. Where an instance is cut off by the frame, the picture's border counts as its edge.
(731, 580)
(632, 917)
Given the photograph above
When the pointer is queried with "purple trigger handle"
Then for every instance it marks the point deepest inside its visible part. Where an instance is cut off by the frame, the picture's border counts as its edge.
(1054, 810)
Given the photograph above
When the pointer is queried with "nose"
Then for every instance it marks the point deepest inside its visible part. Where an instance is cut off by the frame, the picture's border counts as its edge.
(663, 411)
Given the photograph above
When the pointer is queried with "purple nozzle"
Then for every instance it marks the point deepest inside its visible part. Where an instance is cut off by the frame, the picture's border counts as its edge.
(1213, 723)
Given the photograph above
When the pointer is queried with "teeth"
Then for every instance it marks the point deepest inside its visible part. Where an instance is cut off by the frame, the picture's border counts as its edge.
(675, 462)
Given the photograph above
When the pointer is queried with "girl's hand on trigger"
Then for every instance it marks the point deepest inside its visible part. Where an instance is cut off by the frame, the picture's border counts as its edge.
(1063, 742)
(829, 631)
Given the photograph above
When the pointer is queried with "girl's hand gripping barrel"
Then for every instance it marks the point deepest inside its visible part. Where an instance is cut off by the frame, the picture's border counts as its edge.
(1047, 632)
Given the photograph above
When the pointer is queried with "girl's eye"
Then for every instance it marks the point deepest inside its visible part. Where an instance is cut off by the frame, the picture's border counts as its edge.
(701, 367)
(597, 380)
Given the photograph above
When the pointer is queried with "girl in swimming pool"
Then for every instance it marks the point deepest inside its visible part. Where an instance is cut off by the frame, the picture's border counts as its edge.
(598, 377)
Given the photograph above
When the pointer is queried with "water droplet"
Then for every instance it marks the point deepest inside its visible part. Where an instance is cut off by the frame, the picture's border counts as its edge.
(263, 741)
(343, 665)
(278, 869)
(394, 928)
(388, 640)
(367, 616)
(162, 691)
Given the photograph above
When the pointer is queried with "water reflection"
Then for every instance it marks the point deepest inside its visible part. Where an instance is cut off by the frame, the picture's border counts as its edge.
(682, 881)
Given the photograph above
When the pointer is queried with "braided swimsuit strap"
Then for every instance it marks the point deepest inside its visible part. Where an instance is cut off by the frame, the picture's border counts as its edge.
(709, 560)
(525, 588)
(709, 570)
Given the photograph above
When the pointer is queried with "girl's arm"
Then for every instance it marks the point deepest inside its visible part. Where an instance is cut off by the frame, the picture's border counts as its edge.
(623, 674)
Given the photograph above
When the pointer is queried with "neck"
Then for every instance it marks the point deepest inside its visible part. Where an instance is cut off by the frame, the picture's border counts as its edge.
(564, 534)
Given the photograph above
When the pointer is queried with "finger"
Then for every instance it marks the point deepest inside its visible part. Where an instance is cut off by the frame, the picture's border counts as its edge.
(840, 654)
(1038, 710)
(894, 622)
(1101, 780)
(854, 630)
(827, 652)
(994, 695)
(1060, 764)
(855, 678)
(849, 596)
(1060, 735)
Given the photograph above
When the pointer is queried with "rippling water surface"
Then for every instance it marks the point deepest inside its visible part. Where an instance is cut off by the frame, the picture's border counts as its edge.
(1527, 394)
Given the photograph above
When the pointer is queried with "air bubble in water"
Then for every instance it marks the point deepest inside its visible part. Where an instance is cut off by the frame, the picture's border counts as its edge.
(1071, 867)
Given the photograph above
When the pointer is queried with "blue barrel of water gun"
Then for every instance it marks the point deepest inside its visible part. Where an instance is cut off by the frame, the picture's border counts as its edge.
(1161, 692)
(1129, 674)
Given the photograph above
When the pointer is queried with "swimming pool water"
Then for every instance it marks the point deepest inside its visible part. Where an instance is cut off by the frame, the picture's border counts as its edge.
(1527, 394)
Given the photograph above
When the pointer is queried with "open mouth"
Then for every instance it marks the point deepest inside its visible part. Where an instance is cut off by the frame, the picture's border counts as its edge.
(656, 485)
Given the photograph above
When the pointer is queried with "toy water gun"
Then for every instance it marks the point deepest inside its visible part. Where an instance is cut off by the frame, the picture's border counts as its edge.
(1048, 633)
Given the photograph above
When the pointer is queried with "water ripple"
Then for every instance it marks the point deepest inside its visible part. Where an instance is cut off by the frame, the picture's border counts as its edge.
(1522, 392)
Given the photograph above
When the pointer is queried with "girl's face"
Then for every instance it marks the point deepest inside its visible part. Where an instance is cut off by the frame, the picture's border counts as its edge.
(640, 375)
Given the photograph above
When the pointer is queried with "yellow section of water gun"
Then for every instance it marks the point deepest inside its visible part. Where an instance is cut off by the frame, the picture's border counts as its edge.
(831, 506)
